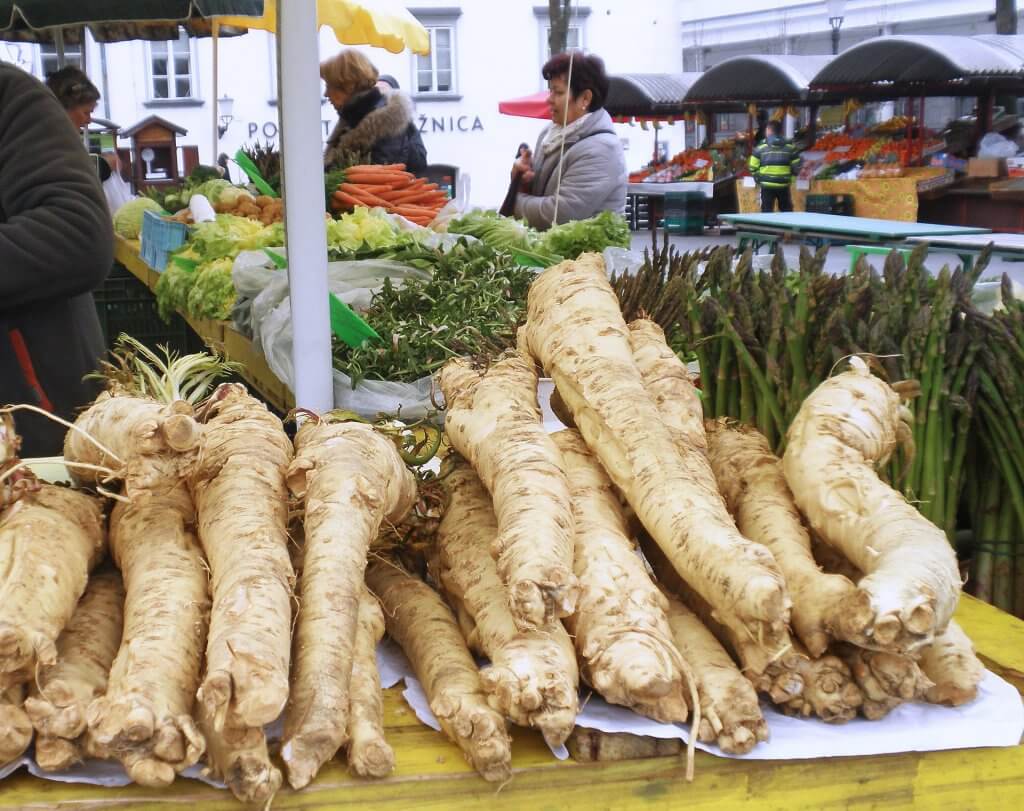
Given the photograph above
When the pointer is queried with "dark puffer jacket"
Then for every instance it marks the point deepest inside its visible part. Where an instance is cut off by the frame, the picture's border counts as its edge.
(381, 125)
(56, 245)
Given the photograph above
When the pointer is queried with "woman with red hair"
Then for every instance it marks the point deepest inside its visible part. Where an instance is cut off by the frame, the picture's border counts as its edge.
(578, 168)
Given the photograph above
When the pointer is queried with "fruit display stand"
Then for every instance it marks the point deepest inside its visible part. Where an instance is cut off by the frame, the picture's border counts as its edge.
(219, 334)
(431, 773)
(891, 198)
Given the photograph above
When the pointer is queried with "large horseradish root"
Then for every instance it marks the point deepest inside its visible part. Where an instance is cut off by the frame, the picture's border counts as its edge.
(750, 479)
(145, 718)
(532, 678)
(576, 330)
(60, 696)
(620, 626)
(494, 421)
(50, 540)
(351, 480)
(849, 425)
(422, 624)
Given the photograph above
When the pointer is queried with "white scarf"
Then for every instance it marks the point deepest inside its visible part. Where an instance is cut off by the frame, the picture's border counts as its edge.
(557, 134)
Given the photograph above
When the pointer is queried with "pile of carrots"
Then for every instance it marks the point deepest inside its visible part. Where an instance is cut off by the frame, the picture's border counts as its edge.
(390, 187)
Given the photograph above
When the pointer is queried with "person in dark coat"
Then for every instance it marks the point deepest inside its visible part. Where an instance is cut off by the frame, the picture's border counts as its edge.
(368, 120)
(56, 247)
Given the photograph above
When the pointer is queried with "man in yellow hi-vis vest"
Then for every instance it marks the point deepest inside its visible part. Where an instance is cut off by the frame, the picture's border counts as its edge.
(773, 163)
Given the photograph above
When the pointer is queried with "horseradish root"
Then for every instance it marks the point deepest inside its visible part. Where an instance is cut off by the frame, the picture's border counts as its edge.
(532, 678)
(145, 718)
(351, 480)
(620, 627)
(369, 754)
(422, 624)
(750, 479)
(575, 329)
(847, 426)
(494, 421)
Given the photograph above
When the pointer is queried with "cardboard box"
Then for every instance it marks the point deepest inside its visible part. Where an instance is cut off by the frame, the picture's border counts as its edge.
(1015, 167)
(986, 167)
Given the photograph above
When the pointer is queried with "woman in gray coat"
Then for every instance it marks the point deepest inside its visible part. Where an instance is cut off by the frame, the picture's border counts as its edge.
(580, 138)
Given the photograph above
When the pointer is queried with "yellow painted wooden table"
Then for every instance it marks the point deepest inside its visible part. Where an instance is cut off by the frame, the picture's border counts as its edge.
(432, 774)
(219, 334)
(879, 198)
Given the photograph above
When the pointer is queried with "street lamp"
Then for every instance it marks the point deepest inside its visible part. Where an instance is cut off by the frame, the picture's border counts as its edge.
(835, 20)
(225, 106)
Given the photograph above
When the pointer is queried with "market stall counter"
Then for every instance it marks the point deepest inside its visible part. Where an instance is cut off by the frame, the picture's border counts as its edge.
(431, 773)
(219, 334)
(890, 198)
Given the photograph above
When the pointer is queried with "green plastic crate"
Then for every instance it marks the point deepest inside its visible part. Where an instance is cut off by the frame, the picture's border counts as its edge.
(124, 304)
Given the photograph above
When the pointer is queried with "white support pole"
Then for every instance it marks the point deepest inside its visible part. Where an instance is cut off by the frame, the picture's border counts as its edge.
(302, 173)
(215, 133)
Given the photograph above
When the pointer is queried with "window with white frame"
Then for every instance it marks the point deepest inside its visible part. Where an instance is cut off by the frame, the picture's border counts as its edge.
(573, 39)
(49, 63)
(575, 35)
(172, 70)
(436, 74)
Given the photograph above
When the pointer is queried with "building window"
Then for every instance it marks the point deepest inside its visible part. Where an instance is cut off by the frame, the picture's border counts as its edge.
(573, 39)
(171, 70)
(435, 72)
(575, 35)
(435, 75)
(48, 62)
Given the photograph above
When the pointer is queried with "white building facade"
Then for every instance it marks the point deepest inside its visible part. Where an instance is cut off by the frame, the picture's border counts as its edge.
(485, 51)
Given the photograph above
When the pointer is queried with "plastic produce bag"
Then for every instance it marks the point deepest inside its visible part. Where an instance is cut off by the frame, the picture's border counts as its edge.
(353, 283)
(117, 192)
(994, 145)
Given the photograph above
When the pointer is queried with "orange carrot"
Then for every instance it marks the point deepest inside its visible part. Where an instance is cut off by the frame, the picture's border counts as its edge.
(372, 189)
(365, 197)
(376, 177)
(346, 200)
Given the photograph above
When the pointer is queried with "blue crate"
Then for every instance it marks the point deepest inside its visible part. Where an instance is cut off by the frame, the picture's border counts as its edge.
(159, 238)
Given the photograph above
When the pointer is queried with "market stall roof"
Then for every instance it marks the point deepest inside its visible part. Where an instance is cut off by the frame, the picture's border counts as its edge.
(896, 63)
(641, 95)
(116, 20)
(758, 77)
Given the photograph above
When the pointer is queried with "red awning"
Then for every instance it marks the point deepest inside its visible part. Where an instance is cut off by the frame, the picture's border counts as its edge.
(534, 106)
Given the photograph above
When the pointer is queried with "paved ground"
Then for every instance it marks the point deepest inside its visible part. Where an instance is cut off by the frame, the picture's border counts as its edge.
(838, 259)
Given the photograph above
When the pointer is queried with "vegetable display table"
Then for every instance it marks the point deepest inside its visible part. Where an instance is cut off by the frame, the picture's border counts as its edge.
(432, 774)
(834, 228)
(219, 334)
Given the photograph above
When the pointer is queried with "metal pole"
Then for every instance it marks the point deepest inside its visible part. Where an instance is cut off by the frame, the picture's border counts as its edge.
(215, 134)
(302, 173)
(58, 44)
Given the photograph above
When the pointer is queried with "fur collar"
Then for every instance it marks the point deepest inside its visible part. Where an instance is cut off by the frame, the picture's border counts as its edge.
(388, 120)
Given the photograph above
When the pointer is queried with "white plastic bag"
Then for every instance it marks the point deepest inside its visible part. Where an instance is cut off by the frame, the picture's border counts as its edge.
(994, 145)
(353, 283)
(117, 192)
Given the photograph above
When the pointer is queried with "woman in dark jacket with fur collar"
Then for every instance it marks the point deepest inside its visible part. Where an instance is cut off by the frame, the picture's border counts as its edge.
(369, 120)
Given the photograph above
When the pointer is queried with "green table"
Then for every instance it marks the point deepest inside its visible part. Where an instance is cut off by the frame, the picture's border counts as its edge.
(829, 229)
(969, 246)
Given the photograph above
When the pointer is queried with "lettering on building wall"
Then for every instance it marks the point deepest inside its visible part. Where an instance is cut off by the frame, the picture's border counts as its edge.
(452, 123)
(268, 129)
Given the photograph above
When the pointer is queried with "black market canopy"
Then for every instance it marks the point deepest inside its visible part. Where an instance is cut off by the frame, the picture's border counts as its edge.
(933, 65)
(116, 20)
(762, 78)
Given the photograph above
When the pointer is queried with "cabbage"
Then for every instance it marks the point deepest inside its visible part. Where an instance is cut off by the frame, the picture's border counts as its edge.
(364, 227)
(212, 189)
(128, 219)
(212, 294)
(232, 194)
(223, 237)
